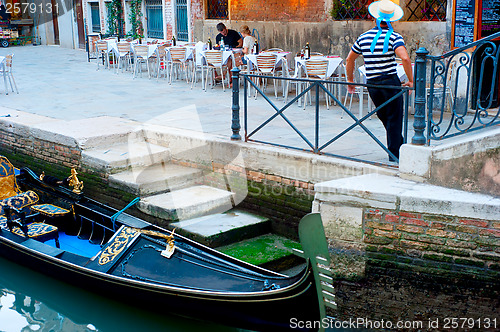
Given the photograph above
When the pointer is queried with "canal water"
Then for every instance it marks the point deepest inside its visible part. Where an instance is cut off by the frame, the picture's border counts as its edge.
(30, 301)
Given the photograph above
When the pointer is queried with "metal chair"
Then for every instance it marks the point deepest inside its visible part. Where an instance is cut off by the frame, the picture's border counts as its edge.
(316, 69)
(178, 59)
(102, 53)
(123, 55)
(266, 65)
(140, 57)
(162, 65)
(361, 91)
(7, 71)
(442, 88)
(214, 61)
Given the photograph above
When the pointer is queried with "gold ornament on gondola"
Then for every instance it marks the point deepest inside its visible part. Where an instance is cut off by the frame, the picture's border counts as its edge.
(74, 182)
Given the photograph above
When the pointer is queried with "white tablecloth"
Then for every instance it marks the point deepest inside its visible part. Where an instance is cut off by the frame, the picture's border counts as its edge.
(189, 52)
(225, 55)
(113, 47)
(281, 58)
(333, 63)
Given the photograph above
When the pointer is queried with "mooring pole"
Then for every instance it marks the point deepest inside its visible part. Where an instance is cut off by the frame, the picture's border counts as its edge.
(235, 125)
(420, 96)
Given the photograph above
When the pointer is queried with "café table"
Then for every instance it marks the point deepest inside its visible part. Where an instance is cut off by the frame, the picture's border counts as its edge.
(333, 63)
(189, 51)
(282, 58)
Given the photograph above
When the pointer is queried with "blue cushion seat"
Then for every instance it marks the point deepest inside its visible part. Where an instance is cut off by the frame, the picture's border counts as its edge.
(11, 196)
(20, 201)
(37, 230)
(49, 210)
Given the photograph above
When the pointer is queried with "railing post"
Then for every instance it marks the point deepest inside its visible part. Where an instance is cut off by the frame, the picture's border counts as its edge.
(420, 96)
(235, 125)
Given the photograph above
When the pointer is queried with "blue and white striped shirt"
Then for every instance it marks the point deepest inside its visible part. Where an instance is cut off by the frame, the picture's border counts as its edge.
(378, 63)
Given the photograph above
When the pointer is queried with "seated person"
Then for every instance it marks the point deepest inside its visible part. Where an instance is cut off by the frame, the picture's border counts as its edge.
(248, 39)
(231, 37)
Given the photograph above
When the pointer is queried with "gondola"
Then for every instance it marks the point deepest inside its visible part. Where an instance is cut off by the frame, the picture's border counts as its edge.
(52, 227)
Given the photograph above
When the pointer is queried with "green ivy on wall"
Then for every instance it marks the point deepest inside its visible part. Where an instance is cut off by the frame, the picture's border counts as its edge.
(135, 18)
(115, 11)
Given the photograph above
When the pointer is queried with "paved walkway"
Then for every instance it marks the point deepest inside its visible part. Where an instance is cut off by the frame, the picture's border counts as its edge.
(60, 83)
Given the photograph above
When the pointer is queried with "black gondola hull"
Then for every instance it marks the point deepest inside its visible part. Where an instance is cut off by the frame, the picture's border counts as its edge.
(196, 282)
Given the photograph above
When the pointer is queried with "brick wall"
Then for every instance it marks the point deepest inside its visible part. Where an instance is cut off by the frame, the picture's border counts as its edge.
(278, 10)
(57, 154)
(415, 298)
(443, 245)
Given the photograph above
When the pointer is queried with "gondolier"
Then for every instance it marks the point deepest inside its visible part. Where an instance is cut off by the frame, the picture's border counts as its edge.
(379, 47)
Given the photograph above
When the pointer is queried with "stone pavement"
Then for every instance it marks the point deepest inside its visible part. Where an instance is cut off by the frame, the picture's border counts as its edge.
(59, 83)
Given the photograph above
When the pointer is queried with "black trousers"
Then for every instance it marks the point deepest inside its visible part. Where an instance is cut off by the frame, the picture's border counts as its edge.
(391, 114)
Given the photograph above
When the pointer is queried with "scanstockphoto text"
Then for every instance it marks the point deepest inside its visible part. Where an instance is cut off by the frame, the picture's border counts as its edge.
(451, 323)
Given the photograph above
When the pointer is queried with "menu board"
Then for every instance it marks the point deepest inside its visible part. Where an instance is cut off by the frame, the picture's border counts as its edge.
(490, 17)
(464, 22)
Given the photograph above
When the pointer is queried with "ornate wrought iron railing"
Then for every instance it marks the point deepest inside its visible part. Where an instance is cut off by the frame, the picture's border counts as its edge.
(316, 88)
(458, 93)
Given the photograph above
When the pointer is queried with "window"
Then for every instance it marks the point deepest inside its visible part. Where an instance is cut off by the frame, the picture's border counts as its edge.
(95, 17)
(182, 20)
(217, 9)
(154, 15)
(426, 10)
(415, 10)
(350, 10)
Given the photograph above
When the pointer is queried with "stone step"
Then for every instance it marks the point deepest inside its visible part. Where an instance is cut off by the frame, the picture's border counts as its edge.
(187, 203)
(113, 159)
(224, 228)
(270, 251)
(155, 179)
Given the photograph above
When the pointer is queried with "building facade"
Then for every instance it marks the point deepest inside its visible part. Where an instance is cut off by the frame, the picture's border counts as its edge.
(330, 26)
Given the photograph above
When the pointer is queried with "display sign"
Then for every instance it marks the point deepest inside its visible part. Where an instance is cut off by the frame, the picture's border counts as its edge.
(464, 23)
(490, 18)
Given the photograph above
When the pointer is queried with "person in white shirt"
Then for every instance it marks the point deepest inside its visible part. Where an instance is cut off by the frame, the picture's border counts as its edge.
(248, 39)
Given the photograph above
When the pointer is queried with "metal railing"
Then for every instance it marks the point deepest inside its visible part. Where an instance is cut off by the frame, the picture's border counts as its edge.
(458, 93)
(316, 88)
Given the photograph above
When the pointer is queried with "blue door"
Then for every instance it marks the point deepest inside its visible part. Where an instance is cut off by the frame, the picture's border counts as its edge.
(181, 20)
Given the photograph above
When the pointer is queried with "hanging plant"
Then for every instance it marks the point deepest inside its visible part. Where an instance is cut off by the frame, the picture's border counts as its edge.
(135, 18)
(115, 11)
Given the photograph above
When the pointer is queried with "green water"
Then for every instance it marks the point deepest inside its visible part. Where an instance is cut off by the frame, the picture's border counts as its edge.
(30, 301)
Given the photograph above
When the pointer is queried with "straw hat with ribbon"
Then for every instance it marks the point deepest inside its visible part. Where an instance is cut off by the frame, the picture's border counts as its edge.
(384, 11)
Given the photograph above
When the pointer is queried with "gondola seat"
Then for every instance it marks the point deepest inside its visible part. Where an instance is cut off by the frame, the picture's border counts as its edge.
(50, 210)
(18, 203)
(36, 230)
(21, 202)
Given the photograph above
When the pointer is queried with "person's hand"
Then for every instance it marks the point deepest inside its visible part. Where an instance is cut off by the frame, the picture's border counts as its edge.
(409, 85)
(351, 88)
